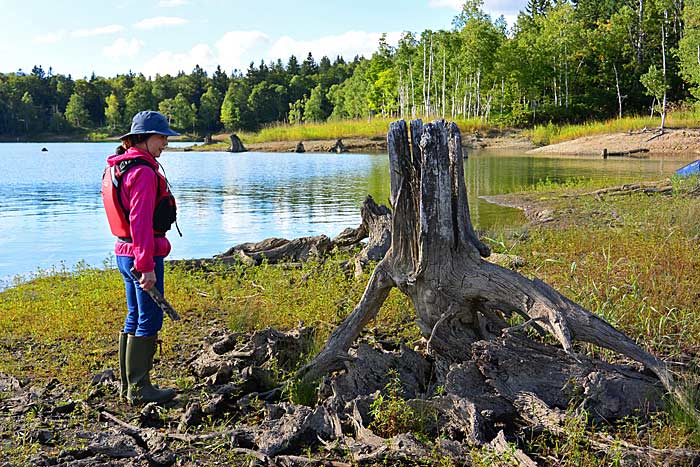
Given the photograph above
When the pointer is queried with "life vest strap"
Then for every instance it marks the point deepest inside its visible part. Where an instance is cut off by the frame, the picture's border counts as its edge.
(130, 240)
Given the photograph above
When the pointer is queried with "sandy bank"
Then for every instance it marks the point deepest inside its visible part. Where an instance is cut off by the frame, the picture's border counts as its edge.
(670, 141)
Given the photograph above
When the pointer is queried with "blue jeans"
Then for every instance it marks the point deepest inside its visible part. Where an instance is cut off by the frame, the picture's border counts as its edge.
(144, 317)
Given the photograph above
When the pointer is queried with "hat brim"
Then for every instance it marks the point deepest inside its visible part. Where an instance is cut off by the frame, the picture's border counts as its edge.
(168, 132)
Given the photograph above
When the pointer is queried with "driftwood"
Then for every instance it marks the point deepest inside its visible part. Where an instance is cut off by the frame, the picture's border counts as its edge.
(277, 249)
(462, 302)
(629, 153)
(660, 187)
(375, 226)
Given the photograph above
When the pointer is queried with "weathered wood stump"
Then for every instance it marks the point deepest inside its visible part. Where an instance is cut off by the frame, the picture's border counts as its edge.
(236, 144)
(462, 302)
(338, 147)
(300, 147)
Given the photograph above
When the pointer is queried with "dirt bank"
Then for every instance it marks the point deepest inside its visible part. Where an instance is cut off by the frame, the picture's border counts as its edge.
(670, 141)
(374, 144)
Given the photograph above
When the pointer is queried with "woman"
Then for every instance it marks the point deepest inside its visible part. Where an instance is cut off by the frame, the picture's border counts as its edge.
(140, 209)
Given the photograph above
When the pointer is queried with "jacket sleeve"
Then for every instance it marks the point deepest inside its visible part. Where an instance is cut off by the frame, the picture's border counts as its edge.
(140, 188)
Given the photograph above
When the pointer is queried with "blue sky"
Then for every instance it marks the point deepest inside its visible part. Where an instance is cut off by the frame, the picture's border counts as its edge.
(79, 37)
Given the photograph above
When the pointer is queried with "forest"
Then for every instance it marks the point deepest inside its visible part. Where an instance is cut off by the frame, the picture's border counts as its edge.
(561, 62)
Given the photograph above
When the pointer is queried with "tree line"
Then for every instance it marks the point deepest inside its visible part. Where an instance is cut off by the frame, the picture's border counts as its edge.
(562, 61)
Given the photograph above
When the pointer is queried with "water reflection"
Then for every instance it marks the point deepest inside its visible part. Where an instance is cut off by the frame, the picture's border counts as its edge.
(50, 207)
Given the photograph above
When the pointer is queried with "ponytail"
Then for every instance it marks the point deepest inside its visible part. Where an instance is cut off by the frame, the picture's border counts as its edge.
(131, 141)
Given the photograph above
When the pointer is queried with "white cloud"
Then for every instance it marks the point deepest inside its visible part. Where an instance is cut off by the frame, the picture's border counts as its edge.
(121, 48)
(172, 63)
(236, 49)
(347, 45)
(160, 21)
(50, 38)
(111, 29)
(171, 3)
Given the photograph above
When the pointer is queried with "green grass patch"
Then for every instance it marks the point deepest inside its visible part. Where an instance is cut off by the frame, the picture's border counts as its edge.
(335, 129)
(66, 324)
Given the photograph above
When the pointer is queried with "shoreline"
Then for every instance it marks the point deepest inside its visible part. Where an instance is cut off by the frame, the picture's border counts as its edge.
(648, 141)
(494, 139)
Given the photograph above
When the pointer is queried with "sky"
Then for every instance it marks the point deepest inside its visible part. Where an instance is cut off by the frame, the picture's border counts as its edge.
(79, 37)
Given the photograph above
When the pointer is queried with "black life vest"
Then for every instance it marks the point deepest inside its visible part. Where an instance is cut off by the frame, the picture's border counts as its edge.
(164, 214)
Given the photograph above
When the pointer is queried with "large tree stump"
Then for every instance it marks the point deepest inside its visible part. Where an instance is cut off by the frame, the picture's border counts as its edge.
(462, 302)
(236, 144)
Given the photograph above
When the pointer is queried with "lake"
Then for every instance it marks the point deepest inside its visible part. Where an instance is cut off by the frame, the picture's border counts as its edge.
(51, 214)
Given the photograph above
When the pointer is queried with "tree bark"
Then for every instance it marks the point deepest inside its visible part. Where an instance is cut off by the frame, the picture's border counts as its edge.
(436, 260)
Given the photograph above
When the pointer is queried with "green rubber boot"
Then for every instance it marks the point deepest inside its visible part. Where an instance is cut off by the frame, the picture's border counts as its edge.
(122, 364)
(139, 362)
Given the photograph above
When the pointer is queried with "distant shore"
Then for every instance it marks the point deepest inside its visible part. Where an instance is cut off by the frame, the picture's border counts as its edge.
(493, 139)
(647, 141)
(651, 141)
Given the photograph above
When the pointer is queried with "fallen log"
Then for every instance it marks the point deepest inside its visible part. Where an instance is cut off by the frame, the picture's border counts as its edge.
(375, 226)
(659, 187)
(629, 153)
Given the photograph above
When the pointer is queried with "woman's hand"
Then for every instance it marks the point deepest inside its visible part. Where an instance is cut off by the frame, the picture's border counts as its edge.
(147, 280)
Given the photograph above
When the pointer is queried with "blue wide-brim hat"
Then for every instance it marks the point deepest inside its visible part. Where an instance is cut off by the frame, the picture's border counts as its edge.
(150, 122)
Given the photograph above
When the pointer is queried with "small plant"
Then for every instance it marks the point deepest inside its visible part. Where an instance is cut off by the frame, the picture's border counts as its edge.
(485, 457)
(301, 392)
(391, 414)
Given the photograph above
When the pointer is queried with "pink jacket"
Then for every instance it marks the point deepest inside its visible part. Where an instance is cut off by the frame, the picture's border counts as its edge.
(138, 193)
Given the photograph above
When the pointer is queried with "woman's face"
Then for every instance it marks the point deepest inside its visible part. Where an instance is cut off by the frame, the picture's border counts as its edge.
(156, 144)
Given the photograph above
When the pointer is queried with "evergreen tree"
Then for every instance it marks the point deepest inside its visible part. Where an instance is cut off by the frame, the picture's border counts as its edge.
(220, 80)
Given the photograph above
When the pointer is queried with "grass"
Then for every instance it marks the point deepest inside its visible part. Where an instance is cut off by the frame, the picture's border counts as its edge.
(552, 134)
(632, 259)
(335, 129)
(65, 324)
(540, 134)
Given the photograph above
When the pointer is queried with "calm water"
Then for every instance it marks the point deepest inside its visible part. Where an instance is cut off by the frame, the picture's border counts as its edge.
(51, 213)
